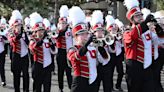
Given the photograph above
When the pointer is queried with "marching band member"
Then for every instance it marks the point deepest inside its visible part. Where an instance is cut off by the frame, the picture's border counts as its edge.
(2, 51)
(158, 64)
(103, 68)
(140, 48)
(48, 28)
(115, 50)
(41, 49)
(53, 29)
(82, 56)
(63, 42)
(19, 41)
(29, 34)
(3, 27)
(134, 48)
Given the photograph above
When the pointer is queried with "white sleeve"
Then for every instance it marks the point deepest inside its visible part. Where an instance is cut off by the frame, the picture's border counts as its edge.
(155, 38)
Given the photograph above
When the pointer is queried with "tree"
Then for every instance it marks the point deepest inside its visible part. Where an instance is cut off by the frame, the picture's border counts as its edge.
(44, 7)
(160, 4)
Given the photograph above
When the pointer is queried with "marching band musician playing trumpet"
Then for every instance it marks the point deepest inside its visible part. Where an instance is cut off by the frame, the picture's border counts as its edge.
(41, 49)
(103, 68)
(50, 38)
(141, 48)
(159, 64)
(2, 51)
(116, 50)
(19, 41)
(29, 35)
(83, 55)
(63, 42)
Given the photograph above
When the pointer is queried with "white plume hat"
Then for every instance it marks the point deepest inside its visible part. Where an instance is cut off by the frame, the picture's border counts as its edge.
(97, 20)
(145, 12)
(36, 22)
(119, 23)
(27, 21)
(16, 18)
(63, 12)
(77, 18)
(133, 8)
(109, 21)
(47, 24)
(53, 27)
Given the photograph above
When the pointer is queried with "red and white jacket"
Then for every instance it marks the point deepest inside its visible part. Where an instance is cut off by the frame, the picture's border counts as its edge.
(65, 42)
(150, 45)
(41, 54)
(19, 46)
(85, 66)
(131, 39)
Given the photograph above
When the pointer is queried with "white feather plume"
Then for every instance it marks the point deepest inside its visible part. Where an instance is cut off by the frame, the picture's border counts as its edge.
(35, 18)
(76, 15)
(16, 14)
(109, 20)
(11, 21)
(159, 14)
(145, 12)
(3, 20)
(119, 23)
(131, 3)
(53, 27)
(97, 17)
(88, 19)
(27, 21)
(64, 11)
(46, 22)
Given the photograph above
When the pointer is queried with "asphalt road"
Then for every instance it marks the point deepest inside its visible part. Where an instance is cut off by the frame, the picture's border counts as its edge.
(54, 86)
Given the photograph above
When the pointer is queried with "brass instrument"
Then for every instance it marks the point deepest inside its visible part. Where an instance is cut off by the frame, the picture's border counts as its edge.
(119, 35)
(52, 34)
(108, 39)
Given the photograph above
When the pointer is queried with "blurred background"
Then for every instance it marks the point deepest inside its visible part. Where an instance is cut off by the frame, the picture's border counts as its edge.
(49, 8)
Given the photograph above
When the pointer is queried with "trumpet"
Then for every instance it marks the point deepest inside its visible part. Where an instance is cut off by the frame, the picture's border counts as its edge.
(53, 34)
(3, 32)
(119, 35)
(108, 40)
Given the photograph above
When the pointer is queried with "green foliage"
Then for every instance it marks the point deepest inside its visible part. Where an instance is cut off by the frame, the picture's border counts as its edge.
(160, 4)
(28, 6)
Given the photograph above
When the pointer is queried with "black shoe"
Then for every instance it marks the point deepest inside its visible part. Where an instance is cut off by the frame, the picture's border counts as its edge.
(3, 84)
(119, 89)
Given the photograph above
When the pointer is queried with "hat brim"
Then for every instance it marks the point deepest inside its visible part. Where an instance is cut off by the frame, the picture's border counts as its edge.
(81, 32)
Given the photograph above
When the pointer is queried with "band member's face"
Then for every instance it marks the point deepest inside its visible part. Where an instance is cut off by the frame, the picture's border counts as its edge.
(114, 29)
(82, 38)
(99, 33)
(17, 28)
(40, 33)
(138, 18)
(62, 25)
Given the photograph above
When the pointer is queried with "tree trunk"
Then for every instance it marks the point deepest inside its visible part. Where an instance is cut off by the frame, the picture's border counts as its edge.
(56, 11)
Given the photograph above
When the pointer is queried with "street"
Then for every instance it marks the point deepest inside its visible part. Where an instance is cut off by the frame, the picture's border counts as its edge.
(54, 87)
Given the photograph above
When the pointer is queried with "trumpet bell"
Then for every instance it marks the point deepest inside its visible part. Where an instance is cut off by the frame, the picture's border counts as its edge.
(54, 34)
(109, 39)
(98, 42)
(119, 36)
